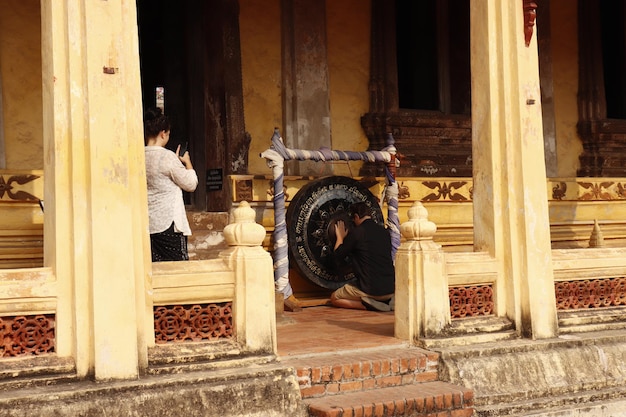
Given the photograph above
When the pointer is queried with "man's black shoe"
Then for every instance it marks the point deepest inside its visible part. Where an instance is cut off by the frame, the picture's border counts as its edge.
(374, 305)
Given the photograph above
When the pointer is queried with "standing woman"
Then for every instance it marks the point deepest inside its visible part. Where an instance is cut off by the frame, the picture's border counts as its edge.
(168, 174)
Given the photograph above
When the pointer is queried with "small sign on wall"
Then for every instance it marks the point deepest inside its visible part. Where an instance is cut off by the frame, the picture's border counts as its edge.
(214, 179)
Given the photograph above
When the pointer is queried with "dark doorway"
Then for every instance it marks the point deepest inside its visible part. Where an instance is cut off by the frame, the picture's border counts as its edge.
(191, 51)
(164, 64)
(421, 86)
(612, 15)
(433, 57)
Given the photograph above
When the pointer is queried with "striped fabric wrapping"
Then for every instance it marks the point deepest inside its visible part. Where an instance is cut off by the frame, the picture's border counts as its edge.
(278, 153)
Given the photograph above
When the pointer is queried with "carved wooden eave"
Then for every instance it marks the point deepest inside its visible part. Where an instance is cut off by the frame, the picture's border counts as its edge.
(428, 143)
(530, 15)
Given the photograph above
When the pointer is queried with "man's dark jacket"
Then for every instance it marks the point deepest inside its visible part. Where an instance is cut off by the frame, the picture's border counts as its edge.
(369, 248)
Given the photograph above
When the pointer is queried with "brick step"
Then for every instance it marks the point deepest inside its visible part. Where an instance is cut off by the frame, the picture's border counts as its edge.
(424, 399)
(364, 369)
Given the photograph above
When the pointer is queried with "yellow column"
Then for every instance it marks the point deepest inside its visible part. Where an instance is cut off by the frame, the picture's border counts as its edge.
(96, 210)
(510, 195)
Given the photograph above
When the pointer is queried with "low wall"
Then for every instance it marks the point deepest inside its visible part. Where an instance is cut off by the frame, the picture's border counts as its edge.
(574, 204)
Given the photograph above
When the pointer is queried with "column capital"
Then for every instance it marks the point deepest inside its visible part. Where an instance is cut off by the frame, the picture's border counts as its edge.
(418, 227)
(243, 230)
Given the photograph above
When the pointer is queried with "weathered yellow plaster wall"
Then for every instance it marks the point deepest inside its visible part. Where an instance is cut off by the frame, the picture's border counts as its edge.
(348, 26)
(20, 68)
(259, 23)
(564, 32)
(348, 29)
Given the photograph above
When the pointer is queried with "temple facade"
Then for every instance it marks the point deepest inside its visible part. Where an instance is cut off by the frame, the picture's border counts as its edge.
(508, 122)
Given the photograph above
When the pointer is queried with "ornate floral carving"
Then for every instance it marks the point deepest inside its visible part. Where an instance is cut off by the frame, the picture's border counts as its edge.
(471, 301)
(621, 190)
(193, 322)
(7, 187)
(27, 335)
(559, 190)
(243, 190)
(590, 293)
(445, 191)
(403, 192)
(597, 191)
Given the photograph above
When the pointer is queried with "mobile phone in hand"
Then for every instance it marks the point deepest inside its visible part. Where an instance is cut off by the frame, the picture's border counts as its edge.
(184, 148)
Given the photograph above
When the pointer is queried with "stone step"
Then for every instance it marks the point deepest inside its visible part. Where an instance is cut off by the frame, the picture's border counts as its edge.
(436, 398)
(468, 340)
(175, 358)
(586, 403)
(27, 372)
(364, 369)
(521, 376)
(168, 353)
(263, 390)
(592, 320)
(472, 330)
(210, 365)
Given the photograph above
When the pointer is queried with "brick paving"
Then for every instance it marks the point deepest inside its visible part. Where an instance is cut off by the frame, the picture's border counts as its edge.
(348, 364)
(328, 329)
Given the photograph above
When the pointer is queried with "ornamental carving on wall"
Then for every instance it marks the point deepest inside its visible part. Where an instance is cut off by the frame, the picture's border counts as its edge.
(471, 301)
(590, 293)
(601, 189)
(243, 190)
(197, 322)
(530, 15)
(27, 335)
(9, 187)
(445, 191)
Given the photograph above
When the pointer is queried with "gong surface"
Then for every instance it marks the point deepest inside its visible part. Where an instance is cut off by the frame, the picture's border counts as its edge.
(311, 218)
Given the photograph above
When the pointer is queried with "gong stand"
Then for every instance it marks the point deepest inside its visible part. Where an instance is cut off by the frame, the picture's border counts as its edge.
(278, 153)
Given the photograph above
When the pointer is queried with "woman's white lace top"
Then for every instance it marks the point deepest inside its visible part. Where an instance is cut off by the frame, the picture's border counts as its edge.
(167, 177)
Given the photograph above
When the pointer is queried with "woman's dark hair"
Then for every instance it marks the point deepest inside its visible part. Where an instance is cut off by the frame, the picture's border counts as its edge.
(361, 209)
(154, 121)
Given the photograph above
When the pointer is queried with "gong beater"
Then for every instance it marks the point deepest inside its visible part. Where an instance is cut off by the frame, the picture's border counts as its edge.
(311, 218)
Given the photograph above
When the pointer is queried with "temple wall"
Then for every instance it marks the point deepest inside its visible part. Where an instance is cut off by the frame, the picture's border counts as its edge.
(259, 24)
(20, 72)
(565, 70)
(348, 26)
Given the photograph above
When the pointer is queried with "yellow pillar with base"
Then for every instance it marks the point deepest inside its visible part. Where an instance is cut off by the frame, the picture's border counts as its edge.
(96, 239)
(511, 218)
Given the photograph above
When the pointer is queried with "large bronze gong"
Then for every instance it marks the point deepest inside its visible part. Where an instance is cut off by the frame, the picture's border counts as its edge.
(311, 218)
